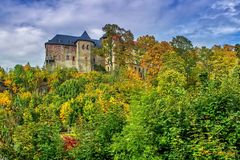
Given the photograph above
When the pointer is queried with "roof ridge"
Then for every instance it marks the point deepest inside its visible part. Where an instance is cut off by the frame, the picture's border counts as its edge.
(71, 40)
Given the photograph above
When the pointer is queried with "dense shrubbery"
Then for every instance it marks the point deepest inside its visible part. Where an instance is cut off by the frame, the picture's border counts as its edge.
(188, 108)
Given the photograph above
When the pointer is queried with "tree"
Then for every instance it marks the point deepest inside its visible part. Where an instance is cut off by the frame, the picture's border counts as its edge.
(124, 48)
(181, 44)
(215, 110)
(144, 43)
(203, 66)
(237, 49)
(38, 141)
(153, 58)
(184, 48)
(117, 45)
(156, 126)
(2, 74)
(222, 61)
(171, 83)
(71, 88)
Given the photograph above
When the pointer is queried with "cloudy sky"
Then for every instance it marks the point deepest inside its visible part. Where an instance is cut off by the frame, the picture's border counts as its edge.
(25, 25)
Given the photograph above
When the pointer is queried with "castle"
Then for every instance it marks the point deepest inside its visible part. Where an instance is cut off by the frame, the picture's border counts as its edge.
(77, 52)
(72, 51)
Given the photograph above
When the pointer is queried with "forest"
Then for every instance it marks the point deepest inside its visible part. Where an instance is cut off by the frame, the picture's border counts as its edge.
(186, 106)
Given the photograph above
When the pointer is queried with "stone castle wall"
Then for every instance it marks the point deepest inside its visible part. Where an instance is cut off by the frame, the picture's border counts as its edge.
(79, 56)
(60, 55)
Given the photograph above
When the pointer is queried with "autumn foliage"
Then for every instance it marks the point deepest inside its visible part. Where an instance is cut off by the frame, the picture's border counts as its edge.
(186, 106)
(69, 142)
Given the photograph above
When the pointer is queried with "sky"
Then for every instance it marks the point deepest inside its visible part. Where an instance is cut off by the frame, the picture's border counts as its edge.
(25, 25)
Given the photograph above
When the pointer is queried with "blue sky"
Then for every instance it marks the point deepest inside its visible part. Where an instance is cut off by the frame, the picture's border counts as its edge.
(25, 25)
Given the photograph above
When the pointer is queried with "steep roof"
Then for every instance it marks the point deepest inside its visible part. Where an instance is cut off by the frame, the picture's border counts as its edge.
(63, 39)
(85, 36)
(71, 40)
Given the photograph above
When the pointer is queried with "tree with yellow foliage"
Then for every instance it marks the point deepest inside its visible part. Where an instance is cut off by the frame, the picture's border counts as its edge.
(5, 99)
(222, 62)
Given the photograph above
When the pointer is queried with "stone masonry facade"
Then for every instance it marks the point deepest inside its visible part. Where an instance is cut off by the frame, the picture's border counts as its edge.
(73, 52)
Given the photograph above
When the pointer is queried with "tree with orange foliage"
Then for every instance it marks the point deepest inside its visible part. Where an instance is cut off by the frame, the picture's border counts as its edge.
(153, 58)
(145, 43)
(142, 45)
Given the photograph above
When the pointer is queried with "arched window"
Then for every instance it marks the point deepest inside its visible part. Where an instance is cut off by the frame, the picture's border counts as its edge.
(83, 47)
(87, 47)
(67, 57)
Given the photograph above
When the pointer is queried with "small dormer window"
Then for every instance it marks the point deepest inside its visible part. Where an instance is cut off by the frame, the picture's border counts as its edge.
(83, 47)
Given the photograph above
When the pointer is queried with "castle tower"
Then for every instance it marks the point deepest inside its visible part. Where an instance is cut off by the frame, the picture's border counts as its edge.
(83, 51)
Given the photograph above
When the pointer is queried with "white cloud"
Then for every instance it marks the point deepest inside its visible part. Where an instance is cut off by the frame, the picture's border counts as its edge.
(216, 24)
(224, 30)
(20, 45)
(229, 5)
(96, 33)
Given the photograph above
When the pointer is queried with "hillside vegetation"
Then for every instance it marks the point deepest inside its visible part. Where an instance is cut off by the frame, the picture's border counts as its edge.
(186, 107)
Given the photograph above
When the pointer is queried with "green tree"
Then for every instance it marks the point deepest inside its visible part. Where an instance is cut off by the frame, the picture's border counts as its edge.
(157, 125)
(181, 44)
(38, 141)
(71, 88)
(214, 128)
(237, 50)
(117, 46)
(184, 48)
